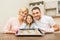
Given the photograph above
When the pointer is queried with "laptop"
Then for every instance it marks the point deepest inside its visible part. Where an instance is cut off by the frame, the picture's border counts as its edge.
(29, 33)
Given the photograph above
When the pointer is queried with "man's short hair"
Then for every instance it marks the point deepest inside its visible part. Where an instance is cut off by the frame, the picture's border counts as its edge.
(36, 8)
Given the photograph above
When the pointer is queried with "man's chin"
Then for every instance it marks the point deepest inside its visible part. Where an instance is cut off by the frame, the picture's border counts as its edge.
(37, 18)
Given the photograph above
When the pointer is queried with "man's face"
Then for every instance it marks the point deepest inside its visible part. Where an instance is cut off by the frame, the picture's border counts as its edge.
(36, 14)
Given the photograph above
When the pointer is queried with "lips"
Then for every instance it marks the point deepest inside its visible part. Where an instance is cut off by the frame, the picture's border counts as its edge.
(37, 17)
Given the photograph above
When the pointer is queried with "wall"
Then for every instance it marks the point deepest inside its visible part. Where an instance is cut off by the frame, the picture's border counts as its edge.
(9, 8)
(57, 20)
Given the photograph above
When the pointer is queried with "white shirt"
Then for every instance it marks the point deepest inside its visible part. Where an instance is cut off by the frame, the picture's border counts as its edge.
(46, 23)
(14, 24)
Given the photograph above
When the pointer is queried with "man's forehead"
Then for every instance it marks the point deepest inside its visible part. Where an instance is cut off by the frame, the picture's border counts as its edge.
(36, 10)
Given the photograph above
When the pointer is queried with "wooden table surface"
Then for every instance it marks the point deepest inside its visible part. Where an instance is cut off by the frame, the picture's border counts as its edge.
(55, 36)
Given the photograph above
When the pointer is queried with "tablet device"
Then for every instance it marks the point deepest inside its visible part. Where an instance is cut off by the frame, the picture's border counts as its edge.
(28, 32)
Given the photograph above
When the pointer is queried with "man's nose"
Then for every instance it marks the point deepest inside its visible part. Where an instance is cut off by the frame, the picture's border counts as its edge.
(35, 14)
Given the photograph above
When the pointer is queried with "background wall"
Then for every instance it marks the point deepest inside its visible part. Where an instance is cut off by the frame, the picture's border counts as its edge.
(10, 8)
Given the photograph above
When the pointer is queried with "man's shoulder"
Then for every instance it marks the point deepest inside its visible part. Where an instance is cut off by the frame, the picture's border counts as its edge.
(46, 17)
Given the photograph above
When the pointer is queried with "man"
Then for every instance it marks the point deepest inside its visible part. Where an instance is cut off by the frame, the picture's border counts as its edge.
(45, 23)
(13, 23)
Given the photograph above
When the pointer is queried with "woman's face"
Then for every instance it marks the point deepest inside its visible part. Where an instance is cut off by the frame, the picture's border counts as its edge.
(23, 13)
(29, 19)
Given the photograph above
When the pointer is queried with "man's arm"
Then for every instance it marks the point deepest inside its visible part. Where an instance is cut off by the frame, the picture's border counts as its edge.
(53, 24)
(56, 27)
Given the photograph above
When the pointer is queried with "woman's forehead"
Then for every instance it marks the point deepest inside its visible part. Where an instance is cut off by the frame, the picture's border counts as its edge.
(23, 9)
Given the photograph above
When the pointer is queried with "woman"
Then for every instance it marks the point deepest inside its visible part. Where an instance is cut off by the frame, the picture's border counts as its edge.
(14, 23)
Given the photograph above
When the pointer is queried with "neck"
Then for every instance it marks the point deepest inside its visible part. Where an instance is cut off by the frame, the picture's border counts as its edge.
(29, 25)
(20, 20)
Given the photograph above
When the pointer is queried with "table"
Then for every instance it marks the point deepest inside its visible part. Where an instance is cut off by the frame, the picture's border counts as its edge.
(55, 36)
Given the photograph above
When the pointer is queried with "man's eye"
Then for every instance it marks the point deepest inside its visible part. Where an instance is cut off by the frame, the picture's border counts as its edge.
(37, 12)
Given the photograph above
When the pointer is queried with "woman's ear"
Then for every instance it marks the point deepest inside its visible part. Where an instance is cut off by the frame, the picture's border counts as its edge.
(19, 12)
